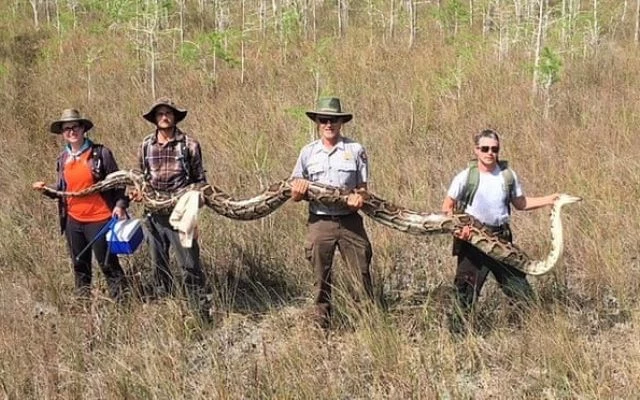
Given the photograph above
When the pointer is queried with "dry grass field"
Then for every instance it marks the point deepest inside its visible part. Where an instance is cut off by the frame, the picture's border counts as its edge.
(420, 77)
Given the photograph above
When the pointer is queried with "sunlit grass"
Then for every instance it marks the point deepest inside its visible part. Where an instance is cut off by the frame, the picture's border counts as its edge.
(581, 341)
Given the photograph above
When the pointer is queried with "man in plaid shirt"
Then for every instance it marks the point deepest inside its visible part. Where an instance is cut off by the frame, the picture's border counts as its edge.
(171, 160)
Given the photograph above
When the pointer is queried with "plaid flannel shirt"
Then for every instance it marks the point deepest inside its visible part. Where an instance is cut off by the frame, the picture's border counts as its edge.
(166, 168)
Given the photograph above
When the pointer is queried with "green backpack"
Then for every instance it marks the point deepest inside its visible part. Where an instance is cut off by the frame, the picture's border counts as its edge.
(473, 179)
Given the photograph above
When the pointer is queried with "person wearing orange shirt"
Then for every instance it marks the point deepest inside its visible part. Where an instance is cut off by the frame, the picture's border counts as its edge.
(81, 164)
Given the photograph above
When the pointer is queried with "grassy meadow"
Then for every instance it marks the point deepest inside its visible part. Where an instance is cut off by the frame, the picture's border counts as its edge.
(557, 78)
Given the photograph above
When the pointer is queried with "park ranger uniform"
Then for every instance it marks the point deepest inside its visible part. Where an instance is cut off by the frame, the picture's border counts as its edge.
(345, 166)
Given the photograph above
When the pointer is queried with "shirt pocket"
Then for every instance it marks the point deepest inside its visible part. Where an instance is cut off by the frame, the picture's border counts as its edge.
(167, 161)
(155, 163)
(347, 172)
(315, 171)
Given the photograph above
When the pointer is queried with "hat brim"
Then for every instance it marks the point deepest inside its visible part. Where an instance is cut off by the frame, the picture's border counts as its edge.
(56, 126)
(151, 114)
(313, 115)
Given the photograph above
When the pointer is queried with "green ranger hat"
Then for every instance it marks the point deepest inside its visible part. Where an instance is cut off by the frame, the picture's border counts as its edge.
(329, 107)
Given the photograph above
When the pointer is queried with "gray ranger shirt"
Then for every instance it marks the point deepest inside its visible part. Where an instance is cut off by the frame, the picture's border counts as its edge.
(345, 166)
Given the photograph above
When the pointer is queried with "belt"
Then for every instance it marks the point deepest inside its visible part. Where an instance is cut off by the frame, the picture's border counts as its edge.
(323, 217)
(498, 228)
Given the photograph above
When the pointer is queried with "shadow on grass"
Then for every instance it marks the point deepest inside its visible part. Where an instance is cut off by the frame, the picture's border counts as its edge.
(594, 312)
(252, 282)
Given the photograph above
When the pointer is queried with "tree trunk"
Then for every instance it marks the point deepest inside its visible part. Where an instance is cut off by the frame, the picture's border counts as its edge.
(538, 46)
(315, 37)
(596, 28)
(636, 35)
(181, 12)
(242, 67)
(342, 17)
(34, 7)
(412, 22)
(392, 18)
(46, 11)
(58, 27)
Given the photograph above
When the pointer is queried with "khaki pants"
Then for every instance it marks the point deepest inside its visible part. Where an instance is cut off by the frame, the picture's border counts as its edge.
(347, 233)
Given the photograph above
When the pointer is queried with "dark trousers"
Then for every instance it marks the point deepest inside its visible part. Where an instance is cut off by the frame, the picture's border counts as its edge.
(78, 235)
(473, 269)
(347, 233)
(161, 237)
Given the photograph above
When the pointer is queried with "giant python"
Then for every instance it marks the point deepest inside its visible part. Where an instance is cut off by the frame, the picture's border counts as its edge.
(380, 210)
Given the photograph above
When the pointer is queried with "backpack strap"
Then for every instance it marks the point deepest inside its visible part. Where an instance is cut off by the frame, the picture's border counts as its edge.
(473, 180)
(470, 187)
(146, 149)
(97, 162)
(62, 158)
(509, 182)
(185, 157)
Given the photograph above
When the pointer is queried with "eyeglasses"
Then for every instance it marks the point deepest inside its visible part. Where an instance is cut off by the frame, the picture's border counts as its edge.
(71, 128)
(326, 120)
(485, 149)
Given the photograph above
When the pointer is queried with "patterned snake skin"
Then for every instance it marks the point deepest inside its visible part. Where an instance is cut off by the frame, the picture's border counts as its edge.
(380, 210)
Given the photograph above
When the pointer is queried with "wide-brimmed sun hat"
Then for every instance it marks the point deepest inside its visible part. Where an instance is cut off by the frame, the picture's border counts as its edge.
(70, 115)
(150, 115)
(329, 107)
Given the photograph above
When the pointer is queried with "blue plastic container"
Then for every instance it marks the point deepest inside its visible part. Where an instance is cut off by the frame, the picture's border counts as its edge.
(125, 236)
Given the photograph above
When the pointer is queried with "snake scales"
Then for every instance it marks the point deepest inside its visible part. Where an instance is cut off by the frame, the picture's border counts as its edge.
(380, 210)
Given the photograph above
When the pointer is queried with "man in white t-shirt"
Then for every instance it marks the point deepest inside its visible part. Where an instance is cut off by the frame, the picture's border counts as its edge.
(495, 188)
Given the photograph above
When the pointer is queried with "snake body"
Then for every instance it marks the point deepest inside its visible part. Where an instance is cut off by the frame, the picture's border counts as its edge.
(375, 207)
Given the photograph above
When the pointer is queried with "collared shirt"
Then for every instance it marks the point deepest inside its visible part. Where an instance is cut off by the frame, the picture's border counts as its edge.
(489, 204)
(166, 164)
(345, 166)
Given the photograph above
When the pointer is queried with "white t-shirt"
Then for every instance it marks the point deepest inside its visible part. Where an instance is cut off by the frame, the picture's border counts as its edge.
(489, 203)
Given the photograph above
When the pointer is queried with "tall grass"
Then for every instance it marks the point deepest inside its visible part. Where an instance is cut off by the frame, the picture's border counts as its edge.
(416, 122)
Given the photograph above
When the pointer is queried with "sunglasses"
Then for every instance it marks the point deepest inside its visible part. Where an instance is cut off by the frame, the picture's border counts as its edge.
(326, 120)
(485, 149)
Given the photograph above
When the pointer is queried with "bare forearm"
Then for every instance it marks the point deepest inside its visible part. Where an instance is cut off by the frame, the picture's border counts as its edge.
(532, 203)
(448, 205)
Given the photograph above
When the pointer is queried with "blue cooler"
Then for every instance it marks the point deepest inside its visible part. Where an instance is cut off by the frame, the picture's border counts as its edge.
(125, 236)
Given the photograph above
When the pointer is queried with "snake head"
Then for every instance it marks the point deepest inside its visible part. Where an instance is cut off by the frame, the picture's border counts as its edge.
(564, 198)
